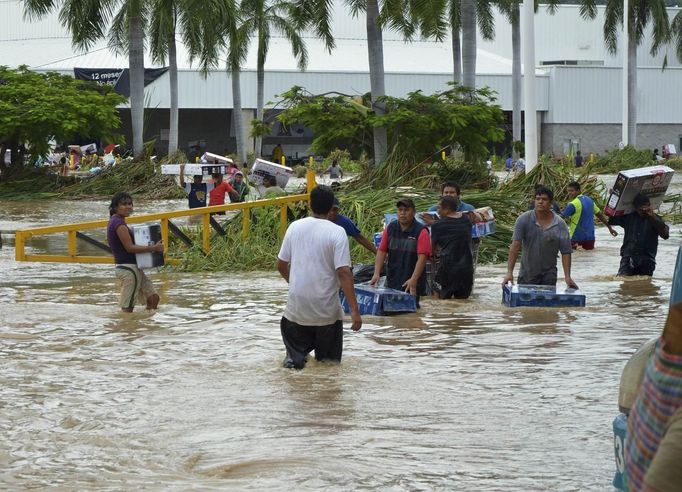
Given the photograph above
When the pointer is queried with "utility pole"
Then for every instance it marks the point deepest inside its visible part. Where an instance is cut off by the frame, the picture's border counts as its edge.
(530, 113)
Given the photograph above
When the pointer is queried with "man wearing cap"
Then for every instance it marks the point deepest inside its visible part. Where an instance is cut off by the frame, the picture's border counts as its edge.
(349, 226)
(408, 246)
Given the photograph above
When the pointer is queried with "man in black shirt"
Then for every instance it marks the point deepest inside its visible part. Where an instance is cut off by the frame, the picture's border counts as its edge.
(640, 244)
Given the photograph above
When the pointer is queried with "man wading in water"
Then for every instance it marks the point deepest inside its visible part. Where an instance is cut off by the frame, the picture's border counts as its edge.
(315, 259)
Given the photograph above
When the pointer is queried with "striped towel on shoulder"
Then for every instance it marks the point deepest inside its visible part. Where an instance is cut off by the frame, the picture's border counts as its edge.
(659, 398)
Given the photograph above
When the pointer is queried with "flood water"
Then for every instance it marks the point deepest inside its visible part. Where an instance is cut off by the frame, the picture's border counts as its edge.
(464, 395)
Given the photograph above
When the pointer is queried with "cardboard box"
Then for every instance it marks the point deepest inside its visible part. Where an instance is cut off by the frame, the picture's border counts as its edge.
(478, 229)
(541, 295)
(147, 235)
(261, 168)
(210, 158)
(194, 169)
(650, 181)
(380, 301)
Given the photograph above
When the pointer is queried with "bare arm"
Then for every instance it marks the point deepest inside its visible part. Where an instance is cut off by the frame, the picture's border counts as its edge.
(604, 220)
(378, 264)
(566, 264)
(345, 277)
(283, 269)
(127, 242)
(365, 242)
(411, 283)
(511, 262)
(182, 175)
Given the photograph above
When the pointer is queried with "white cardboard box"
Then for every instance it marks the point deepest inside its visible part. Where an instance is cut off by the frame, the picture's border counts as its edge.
(262, 167)
(147, 235)
(211, 158)
(652, 182)
(193, 169)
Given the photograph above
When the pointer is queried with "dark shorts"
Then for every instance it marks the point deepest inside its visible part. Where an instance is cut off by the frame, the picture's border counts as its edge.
(583, 244)
(636, 265)
(299, 340)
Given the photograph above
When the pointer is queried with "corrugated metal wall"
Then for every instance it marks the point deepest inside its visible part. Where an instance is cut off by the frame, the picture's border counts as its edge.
(594, 95)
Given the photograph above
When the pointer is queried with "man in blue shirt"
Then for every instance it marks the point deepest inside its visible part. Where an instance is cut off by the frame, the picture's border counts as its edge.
(348, 226)
(449, 188)
(580, 213)
(196, 191)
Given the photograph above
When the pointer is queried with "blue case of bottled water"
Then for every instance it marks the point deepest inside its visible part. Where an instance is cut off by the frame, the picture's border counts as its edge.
(379, 301)
(620, 430)
(541, 295)
(377, 238)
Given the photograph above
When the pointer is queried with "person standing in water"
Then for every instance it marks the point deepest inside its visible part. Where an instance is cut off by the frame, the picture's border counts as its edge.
(315, 260)
(134, 283)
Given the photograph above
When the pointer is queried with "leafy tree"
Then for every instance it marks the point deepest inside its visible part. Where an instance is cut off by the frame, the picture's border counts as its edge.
(88, 21)
(417, 126)
(36, 108)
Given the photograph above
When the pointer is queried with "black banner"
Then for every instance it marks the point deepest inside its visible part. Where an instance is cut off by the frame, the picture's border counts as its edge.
(118, 78)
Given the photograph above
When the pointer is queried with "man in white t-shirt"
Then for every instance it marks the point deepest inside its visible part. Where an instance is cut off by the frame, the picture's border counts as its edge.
(315, 260)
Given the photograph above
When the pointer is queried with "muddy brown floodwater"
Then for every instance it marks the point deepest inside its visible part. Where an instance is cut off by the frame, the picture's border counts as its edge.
(464, 395)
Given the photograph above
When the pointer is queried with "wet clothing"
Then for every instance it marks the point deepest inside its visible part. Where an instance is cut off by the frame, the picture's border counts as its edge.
(348, 225)
(655, 426)
(121, 256)
(580, 212)
(300, 340)
(134, 286)
(640, 244)
(315, 249)
(540, 248)
(461, 207)
(196, 193)
(217, 194)
(403, 248)
(451, 237)
(586, 245)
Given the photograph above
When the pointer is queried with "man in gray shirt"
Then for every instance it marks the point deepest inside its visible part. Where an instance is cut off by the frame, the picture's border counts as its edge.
(543, 234)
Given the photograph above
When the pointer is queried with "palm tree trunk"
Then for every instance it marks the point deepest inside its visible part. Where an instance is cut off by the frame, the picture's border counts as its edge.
(456, 55)
(632, 91)
(173, 76)
(136, 62)
(237, 118)
(469, 43)
(375, 52)
(260, 98)
(516, 73)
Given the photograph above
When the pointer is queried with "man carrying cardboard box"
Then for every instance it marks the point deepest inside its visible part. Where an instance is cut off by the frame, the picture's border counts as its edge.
(640, 244)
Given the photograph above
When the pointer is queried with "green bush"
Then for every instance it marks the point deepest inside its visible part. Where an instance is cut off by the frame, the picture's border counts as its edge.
(613, 161)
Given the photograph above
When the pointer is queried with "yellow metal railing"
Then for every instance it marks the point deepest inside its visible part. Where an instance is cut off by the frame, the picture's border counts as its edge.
(72, 230)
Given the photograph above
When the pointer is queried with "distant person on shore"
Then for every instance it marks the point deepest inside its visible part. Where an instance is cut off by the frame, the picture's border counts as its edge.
(220, 189)
(452, 250)
(640, 244)
(272, 189)
(197, 191)
(509, 163)
(134, 283)
(315, 260)
(543, 234)
(407, 245)
(277, 154)
(350, 227)
(520, 165)
(657, 156)
(554, 207)
(578, 159)
(653, 448)
(580, 213)
(240, 187)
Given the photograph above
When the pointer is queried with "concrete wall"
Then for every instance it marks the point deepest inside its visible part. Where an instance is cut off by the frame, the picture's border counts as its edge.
(600, 137)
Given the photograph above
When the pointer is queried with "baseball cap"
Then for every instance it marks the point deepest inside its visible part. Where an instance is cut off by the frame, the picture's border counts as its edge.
(406, 202)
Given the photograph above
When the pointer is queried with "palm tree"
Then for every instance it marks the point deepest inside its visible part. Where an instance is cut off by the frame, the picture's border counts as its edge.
(280, 17)
(641, 13)
(87, 21)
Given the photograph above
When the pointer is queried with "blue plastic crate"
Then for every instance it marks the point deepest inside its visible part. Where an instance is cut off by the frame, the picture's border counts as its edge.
(541, 295)
(377, 238)
(380, 301)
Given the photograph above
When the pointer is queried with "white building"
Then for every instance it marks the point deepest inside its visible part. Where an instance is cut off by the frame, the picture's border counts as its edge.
(578, 89)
